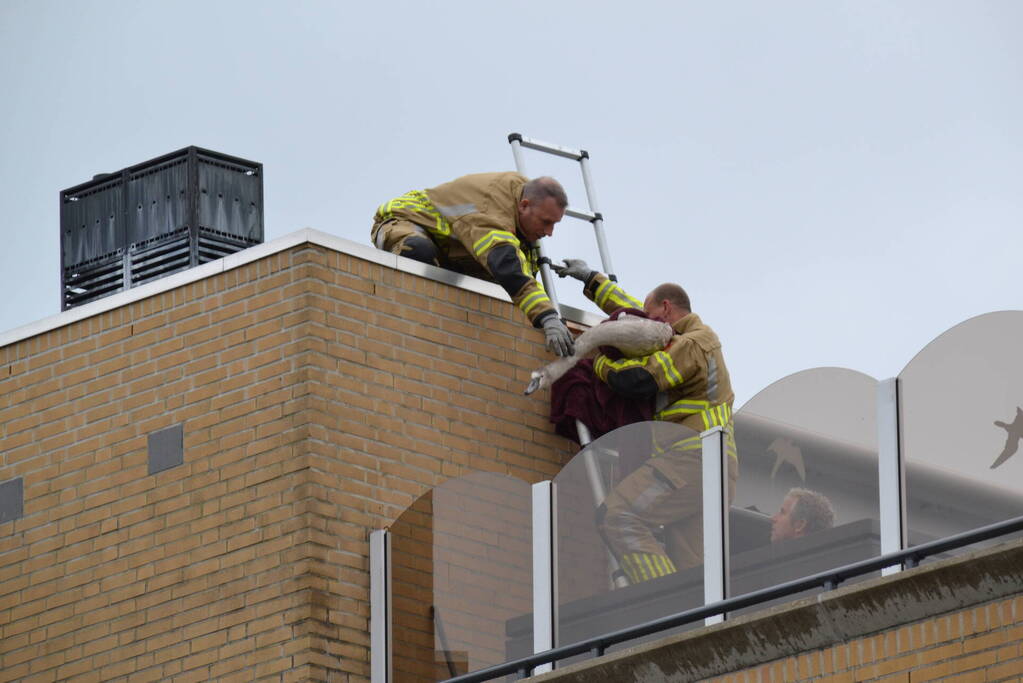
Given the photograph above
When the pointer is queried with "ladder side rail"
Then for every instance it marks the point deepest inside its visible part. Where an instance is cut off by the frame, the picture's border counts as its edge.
(618, 579)
(598, 219)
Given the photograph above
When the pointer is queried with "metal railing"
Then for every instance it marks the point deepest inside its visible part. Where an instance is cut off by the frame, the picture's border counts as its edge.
(829, 580)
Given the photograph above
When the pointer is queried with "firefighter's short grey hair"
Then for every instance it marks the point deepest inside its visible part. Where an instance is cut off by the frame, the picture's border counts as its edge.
(539, 189)
(673, 293)
(814, 508)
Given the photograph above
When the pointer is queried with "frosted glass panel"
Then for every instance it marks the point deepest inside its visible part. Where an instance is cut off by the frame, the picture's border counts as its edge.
(807, 495)
(961, 402)
(461, 561)
(648, 464)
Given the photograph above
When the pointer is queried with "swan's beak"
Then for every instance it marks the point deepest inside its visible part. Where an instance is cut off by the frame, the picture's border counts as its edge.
(534, 384)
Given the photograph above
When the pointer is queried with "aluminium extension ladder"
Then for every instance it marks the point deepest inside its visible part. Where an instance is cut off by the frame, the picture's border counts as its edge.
(594, 217)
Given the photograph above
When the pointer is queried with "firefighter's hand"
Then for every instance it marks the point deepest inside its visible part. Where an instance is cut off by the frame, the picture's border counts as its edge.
(559, 339)
(574, 267)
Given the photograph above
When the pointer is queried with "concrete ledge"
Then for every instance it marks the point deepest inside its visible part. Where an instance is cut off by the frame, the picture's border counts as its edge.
(813, 623)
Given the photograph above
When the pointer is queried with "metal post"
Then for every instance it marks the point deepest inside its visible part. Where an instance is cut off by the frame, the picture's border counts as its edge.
(545, 584)
(194, 189)
(516, 144)
(380, 606)
(715, 520)
(891, 480)
(618, 579)
(590, 462)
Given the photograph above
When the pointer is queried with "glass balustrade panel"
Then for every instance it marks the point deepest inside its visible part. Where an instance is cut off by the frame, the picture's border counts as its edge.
(961, 415)
(807, 497)
(462, 572)
(649, 474)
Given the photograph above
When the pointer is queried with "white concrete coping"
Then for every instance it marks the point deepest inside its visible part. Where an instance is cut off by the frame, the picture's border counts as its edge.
(259, 251)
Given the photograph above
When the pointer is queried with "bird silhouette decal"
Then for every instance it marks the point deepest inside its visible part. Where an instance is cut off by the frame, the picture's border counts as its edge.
(1015, 430)
(787, 452)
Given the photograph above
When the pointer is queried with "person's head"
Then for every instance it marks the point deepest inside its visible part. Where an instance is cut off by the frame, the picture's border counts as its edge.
(802, 512)
(542, 205)
(668, 302)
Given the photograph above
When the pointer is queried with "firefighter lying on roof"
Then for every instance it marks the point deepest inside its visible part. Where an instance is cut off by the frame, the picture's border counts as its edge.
(483, 225)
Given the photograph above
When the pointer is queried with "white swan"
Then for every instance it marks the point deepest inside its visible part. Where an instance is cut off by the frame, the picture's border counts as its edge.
(632, 335)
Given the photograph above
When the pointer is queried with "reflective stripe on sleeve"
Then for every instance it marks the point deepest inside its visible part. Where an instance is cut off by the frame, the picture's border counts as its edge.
(534, 300)
(610, 291)
(603, 365)
(671, 372)
(494, 237)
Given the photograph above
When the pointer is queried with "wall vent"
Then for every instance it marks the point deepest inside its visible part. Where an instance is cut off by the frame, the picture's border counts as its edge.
(166, 449)
(12, 499)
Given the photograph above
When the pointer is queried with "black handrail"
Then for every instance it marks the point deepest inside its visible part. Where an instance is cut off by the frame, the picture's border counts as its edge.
(829, 579)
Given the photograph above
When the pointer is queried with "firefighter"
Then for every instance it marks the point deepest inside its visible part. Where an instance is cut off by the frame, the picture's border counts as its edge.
(689, 383)
(483, 225)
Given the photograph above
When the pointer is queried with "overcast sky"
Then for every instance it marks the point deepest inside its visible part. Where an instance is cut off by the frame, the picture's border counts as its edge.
(835, 183)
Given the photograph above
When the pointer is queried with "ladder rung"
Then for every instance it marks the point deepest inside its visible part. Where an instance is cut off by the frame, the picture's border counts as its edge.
(579, 213)
(567, 152)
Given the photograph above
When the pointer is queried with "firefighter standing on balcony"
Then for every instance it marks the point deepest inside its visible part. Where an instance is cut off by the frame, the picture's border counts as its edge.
(690, 385)
(483, 225)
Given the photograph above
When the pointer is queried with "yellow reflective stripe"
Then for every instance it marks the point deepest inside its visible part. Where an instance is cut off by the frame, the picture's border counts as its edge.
(648, 569)
(522, 263)
(531, 258)
(683, 407)
(645, 566)
(635, 572)
(633, 568)
(600, 296)
(689, 405)
(417, 200)
(492, 237)
(692, 443)
(533, 300)
(604, 365)
(609, 290)
(671, 372)
(622, 300)
(713, 416)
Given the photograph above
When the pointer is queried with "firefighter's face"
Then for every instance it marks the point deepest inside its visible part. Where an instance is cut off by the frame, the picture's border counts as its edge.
(657, 309)
(537, 219)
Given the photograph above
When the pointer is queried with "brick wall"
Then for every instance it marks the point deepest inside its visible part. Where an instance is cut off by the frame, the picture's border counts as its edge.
(320, 395)
(970, 646)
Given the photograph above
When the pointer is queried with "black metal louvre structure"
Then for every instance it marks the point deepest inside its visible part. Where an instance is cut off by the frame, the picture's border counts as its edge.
(174, 212)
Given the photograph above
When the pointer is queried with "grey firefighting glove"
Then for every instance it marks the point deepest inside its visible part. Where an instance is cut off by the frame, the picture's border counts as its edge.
(574, 267)
(559, 339)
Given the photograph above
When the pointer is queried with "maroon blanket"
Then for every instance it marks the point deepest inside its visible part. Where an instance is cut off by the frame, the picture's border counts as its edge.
(580, 395)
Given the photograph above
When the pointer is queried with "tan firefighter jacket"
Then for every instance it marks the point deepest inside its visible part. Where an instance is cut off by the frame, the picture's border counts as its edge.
(473, 220)
(689, 376)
